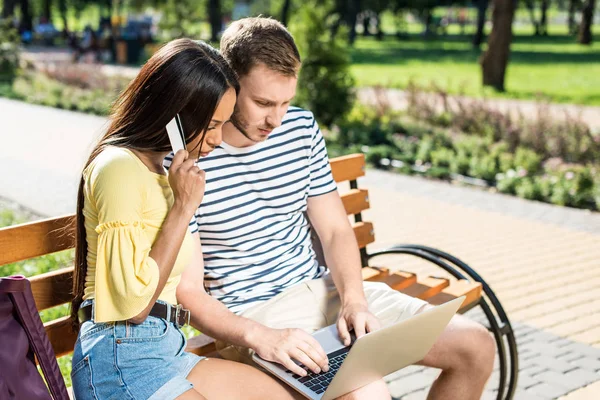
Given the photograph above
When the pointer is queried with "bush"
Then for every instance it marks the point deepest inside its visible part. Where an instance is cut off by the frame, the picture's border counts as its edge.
(362, 126)
(325, 83)
(35, 87)
(569, 138)
(528, 188)
(375, 154)
(9, 50)
(511, 164)
(527, 160)
(483, 167)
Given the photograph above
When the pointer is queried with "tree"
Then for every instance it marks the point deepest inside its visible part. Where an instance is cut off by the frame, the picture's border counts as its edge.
(585, 29)
(285, 12)
(214, 16)
(325, 84)
(62, 7)
(8, 8)
(346, 12)
(541, 26)
(48, 9)
(573, 5)
(531, 9)
(482, 6)
(26, 23)
(495, 59)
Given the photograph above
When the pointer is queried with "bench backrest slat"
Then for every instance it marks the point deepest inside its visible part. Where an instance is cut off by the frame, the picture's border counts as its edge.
(61, 335)
(52, 288)
(34, 239)
(356, 201)
(348, 168)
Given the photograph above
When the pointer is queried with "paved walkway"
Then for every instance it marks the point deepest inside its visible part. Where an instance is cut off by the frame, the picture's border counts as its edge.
(541, 260)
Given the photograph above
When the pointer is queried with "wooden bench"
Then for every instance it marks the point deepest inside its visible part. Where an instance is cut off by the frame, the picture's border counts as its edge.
(55, 288)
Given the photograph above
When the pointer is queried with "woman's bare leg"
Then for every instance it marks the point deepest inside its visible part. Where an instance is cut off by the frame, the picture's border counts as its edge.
(222, 379)
(191, 395)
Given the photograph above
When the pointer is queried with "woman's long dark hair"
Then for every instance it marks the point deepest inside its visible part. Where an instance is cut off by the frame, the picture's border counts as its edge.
(186, 77)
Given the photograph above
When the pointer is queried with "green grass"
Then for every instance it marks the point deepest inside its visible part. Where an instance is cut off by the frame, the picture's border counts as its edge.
(554, 66)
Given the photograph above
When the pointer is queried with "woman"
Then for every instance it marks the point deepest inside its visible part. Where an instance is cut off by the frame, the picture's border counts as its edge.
(133, 240)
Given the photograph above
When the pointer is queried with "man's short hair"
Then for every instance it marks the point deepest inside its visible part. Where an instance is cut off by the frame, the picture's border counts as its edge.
(259, 40)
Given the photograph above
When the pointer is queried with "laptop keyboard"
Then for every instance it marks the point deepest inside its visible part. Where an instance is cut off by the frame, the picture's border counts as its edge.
(318, 382)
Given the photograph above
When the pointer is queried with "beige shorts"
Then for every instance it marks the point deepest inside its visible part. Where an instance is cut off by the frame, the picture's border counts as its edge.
(315, 304)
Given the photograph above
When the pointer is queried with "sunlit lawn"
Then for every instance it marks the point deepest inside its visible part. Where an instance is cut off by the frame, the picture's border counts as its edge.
(554, 66)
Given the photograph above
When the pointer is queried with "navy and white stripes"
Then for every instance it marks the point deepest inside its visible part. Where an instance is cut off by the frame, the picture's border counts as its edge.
(255, 237)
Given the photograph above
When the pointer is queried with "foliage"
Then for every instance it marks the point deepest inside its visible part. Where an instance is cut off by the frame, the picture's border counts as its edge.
(496, 149)
(9, 51)
(568, 138)
(324, 84)
(39, 88)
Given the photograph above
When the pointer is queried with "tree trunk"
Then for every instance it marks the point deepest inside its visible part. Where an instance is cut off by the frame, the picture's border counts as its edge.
(214, 15)
(531, 9)
(378, 30)
(366, 22)
(587, 19)
(62, 7)
(544, 18)
(495, 59)
(353, 10)
(571, 19)
(26, 20)
(482, 6)
(48, 10)
(285, 12)
(8, 8)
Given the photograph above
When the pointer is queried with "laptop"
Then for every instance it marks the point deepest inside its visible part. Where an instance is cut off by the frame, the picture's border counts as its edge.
(370, 357)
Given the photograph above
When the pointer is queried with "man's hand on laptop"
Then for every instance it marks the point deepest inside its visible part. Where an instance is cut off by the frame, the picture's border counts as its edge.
(358, 317)
(285, 345)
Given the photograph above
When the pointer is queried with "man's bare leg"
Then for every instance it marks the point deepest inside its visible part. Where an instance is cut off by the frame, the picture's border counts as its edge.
(465, 353)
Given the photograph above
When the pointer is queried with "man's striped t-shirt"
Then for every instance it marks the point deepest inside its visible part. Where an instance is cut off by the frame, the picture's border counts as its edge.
(255, 236)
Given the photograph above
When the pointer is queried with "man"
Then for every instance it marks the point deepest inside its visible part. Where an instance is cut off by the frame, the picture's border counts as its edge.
(265, 290)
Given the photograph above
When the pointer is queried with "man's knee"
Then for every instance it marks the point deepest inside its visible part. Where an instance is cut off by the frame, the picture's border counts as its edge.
(377, 390)
(477, 350)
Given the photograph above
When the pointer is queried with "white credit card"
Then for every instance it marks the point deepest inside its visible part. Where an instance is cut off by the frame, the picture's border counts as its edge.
(175, 132)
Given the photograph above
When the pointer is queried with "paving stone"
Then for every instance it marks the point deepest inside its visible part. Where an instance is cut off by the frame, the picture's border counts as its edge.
(489, 395)
(569, 357)
(592, 364)
(555, 364)
(533, 370)
(546, 390)
(523, 395)
(582, 377)
(546, 349)
(565, 381)
(584, 350)
(526, 381)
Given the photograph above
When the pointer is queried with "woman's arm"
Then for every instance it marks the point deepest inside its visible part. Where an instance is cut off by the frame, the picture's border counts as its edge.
(187, 182)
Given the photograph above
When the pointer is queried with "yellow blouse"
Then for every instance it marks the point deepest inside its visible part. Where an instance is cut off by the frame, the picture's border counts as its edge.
(124, 208)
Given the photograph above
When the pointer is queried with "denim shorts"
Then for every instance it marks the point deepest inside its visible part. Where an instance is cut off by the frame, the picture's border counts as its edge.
(121, 360)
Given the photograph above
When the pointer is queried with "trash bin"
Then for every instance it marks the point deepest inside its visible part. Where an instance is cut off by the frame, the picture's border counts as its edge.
(134, 49)
(121, 52)
(128, 51)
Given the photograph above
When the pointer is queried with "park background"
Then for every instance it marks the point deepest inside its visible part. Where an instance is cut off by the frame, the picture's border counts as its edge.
(480, 120)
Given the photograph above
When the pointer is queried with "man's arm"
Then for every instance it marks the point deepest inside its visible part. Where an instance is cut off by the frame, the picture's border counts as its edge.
(328, 217)
(212, 317)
